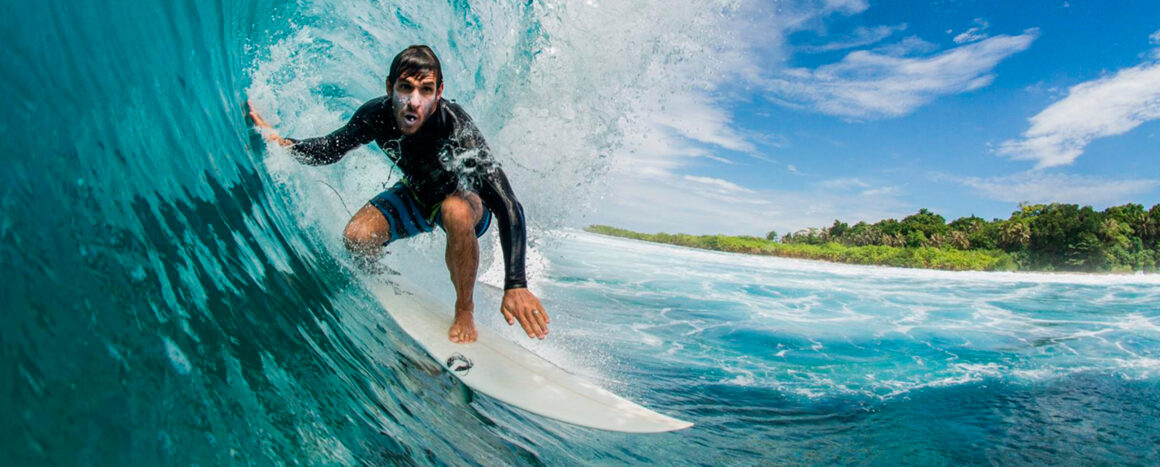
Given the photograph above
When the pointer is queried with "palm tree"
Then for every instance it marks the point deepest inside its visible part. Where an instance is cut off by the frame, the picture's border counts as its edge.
(1115, 232)
(959, 240)
(1014, 234)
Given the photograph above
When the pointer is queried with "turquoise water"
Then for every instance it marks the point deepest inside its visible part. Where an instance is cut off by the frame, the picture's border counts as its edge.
(175, 292)
(780, 360)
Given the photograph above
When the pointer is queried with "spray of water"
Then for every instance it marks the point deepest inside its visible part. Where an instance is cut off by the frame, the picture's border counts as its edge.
(554, 88)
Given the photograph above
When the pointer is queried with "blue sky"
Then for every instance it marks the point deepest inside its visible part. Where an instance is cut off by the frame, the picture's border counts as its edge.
(861, 110)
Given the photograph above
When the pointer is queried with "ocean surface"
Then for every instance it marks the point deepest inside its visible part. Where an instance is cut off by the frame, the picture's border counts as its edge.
(175, 292)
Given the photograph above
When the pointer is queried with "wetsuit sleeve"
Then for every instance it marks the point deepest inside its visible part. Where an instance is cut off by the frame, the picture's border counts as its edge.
(497, 196)
(492, 186)
(330, 148)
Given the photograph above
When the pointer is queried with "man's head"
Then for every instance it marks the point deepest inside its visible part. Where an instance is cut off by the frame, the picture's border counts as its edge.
(415, 83)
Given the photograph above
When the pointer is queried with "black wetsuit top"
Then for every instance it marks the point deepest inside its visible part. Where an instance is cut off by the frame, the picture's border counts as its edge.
(445, 155)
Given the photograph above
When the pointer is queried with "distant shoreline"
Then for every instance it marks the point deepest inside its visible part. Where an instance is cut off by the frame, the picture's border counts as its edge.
(946, 259)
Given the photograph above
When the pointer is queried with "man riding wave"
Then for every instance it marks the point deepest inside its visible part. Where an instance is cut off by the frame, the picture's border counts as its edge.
(450, 180)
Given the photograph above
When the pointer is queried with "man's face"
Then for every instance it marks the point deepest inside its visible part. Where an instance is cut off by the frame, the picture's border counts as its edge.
(415, 98)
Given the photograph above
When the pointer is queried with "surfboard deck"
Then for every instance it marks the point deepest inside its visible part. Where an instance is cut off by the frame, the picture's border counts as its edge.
(501, 369)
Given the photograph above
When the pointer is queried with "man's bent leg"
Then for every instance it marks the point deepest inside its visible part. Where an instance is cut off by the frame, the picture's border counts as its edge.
(366, 233)
(461, 211)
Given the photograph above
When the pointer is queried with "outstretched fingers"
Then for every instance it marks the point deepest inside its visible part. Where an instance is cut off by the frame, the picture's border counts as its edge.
(255, 116)
(520, 305)
(522, 317)
(264, 128)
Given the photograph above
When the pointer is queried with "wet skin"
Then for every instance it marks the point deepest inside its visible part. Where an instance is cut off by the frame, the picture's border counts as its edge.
(415, 99)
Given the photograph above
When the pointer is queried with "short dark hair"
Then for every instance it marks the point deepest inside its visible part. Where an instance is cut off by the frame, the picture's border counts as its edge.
(415, 60)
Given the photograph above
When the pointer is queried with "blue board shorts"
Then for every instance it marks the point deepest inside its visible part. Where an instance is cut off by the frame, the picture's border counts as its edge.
(407, 218)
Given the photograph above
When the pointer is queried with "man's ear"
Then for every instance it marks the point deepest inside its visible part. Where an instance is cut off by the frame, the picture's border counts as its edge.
(439, 93)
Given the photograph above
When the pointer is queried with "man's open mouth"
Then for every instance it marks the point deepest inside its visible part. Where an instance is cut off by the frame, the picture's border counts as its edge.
(410, 118)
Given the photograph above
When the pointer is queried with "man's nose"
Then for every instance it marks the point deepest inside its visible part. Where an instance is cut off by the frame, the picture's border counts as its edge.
(413, 99)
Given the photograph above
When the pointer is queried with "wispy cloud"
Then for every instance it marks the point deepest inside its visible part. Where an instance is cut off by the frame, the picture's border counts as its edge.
(1104, 107)
(848, 7)
(859, 186)
(912, 45)
(861, 37)
(671, 203)
(712, 124)
(975, 33)
(873, 84)
(721, 186)
(1039, 187)
(844, 184)
(882, 191)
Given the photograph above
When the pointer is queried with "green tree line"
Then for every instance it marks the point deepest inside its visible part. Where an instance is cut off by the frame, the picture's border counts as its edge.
(1039, 237)
(920, 257)
(1044, 237)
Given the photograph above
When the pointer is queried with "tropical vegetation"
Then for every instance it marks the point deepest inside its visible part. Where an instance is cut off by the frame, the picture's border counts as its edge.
(1038, 237)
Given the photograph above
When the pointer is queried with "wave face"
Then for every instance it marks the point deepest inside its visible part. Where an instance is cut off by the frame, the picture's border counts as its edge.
(175, 292)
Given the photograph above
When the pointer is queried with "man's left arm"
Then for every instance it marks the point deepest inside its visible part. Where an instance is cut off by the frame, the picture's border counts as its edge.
(519, 304)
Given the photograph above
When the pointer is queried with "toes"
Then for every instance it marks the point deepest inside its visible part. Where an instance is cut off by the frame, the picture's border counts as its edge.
(460, 334)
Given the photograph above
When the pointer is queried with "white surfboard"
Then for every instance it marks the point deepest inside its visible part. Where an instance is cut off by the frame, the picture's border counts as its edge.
(505, 371)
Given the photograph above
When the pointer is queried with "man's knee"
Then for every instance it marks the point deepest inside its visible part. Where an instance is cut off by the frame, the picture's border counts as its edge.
(366, 230)
(461, 213)
(359, 238)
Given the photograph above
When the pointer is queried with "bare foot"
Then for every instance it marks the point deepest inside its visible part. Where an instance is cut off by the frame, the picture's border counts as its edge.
(463, 328)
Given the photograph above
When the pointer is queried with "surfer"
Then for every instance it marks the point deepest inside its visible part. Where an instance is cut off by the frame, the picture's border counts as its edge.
(450, 180)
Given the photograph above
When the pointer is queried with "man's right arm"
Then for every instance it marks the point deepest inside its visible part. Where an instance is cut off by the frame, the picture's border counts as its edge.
(325, 149)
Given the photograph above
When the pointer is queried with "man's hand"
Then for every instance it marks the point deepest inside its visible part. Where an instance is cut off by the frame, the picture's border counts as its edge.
(520, 304)
(265, 128)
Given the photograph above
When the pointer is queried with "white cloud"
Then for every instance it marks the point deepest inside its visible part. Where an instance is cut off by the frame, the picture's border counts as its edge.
(861, 37)
(849, 7)
(867, 84)
(765, 28)
(844, 184)
(970, 35)
(1154, 39)
(974, 34)
(1100, 108)
(882, 191)
(1038, 187)
(712, 125)
(907, 46)
(665, 203)
(859, 186)
(662, 139)
(722, 186)
(717, 158)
